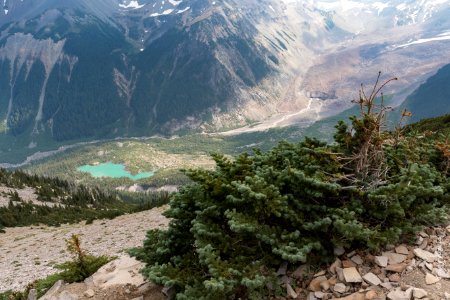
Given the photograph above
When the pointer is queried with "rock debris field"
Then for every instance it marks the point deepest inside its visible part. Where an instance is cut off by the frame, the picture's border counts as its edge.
(420, 270)
(29, 253)
(417, 270)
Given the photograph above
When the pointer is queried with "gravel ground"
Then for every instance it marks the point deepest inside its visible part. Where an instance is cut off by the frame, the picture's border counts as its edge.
(29, 253)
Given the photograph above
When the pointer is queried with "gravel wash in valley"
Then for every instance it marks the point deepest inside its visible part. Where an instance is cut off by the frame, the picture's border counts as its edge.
(30, 253)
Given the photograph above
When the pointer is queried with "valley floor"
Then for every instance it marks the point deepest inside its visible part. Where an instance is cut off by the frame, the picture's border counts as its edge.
(29, 253)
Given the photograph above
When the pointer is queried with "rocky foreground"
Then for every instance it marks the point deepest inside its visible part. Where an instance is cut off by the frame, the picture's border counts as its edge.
(418, 270)
(30, 253)
(402, 272)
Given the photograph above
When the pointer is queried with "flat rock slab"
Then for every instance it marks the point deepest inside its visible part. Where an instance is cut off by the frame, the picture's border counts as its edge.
(398, 294)
(381, 261)
(402, 250)
(352, 275)
(431, 279)
(395, 258)
(425, 255)
(372, 279)
(339, 288)
(124, 270)
(398, 268)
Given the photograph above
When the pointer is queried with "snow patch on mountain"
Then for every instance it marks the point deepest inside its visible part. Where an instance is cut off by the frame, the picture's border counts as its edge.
(132, 4)
(175, 3)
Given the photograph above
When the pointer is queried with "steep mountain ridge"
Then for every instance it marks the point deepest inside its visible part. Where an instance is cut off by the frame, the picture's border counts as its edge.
(73, 70)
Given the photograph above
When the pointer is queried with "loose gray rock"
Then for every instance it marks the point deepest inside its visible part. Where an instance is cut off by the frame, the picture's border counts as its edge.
(398, 294)
(386, 285)
(89, 293)
(419, 293)
(372, 279)
(394, 258)
(340, 273)
(56, 288)
(402, 250)
(339, 288)
(357, 260)
(352, 275)
(311, 296)
(441, 273)
(381, 261)
(431, 279)
(319, 295)
(425, 255)
(337, 264)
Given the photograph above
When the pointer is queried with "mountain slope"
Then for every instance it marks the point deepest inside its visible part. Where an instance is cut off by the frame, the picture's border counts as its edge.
(432, 98)
(77, 70)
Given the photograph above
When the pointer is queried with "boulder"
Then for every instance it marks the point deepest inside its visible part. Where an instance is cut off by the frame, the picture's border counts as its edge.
(123, 271)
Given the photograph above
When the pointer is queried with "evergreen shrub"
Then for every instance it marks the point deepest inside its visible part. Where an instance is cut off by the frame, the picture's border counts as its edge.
(232, 228)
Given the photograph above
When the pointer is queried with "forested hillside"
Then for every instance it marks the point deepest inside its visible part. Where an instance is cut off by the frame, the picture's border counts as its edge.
(431, 99)
(29, 199)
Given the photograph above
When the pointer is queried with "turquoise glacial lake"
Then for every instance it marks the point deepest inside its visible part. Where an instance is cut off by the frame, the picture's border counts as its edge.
(112, 171)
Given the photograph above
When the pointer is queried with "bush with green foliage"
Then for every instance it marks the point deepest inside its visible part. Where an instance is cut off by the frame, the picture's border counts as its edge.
(234, 226)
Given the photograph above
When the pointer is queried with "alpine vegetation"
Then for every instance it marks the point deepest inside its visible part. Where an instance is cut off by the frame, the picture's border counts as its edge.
(232, 228)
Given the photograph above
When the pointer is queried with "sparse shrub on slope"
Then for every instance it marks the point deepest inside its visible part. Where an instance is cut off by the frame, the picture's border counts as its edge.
(232, 228)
